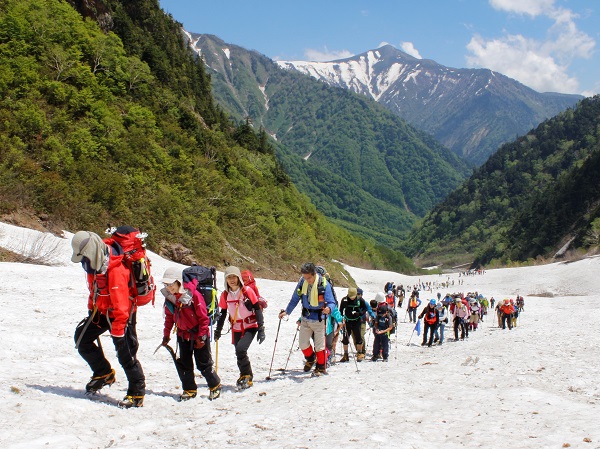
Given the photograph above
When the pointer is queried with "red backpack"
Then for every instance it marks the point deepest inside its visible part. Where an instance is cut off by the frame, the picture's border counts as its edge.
(141, 284)
(250, 282)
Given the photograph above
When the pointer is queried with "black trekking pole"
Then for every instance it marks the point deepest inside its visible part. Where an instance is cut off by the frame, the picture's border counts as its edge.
(291, 349)
(274, 347)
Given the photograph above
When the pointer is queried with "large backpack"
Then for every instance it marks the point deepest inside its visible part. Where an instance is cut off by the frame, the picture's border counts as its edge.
(250, 282)
(323, 272)
(141, 285)
(207, 286)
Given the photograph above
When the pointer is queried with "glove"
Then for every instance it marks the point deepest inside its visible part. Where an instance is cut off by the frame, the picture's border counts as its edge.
(165, 341)
(217, 334)
(249, 305)
(282, 314)
(199, 343)
(260, 335)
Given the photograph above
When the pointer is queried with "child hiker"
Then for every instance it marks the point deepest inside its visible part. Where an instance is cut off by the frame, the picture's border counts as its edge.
(185, 309)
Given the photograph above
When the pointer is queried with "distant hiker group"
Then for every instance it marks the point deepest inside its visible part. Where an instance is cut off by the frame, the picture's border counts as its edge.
(119, 281)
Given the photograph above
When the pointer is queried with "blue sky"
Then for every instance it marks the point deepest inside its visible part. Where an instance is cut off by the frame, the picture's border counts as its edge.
(548, 45)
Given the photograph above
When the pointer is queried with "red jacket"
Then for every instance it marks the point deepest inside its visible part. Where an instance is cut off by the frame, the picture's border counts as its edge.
(110, 292)
(192, 319)
(507, 309)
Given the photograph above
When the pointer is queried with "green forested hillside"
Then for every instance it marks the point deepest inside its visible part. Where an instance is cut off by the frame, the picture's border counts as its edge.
(359, 163)
(97, 129)
(527, 200)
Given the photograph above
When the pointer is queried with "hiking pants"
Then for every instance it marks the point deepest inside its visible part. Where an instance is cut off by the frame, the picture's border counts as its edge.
(352, 328)
(363, 331)
(126, 348)
(242, 343)
(459, 323)
(431, 328)
(412, 314)
(506, 319)
(439, 332)
(315, 329)
(204, 362)
(382, 343)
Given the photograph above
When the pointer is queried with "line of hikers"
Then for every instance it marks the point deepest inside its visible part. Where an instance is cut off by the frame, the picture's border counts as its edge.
(111, 308)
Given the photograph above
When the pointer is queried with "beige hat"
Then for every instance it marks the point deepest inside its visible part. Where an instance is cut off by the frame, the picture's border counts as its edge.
(89, 245)
(352, 292)
(232, 271)
(173, 274)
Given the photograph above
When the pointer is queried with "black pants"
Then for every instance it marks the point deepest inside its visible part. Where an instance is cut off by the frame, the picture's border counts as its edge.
(506, 318)
(185, 364)
(429, 328)
(460, 323)
(352, 328)
(242, 343)
(126, 351)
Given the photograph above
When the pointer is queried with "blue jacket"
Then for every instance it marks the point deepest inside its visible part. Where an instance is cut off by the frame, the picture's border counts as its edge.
(307, 312)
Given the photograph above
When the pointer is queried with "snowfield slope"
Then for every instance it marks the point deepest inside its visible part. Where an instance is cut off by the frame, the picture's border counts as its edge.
(533, 387)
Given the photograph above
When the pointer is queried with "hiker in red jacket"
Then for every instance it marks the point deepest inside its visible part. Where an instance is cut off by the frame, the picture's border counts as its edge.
(186, 310)
(110, 309)
(507, 309)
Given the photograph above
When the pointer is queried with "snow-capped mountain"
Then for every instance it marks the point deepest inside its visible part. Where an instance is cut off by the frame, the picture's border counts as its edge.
(471, 111)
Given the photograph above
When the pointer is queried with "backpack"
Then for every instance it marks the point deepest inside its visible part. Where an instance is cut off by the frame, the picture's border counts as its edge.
(413, 302)
(141, 284)
(250, 282)
(323, 272)
(207, 286)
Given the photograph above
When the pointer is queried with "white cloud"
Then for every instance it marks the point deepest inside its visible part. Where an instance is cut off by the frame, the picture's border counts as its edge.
(522, 59)
(326, 54)
(540, 64)
(530, 7)
(408, 47)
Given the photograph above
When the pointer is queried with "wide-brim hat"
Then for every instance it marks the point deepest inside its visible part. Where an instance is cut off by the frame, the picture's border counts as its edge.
(173, 274)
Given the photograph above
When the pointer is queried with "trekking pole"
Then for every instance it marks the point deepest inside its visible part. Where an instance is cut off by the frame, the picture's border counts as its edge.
(411, 336)
(217, 356)
(405, 314)
(291, 349)
(274, 347)
(354, 356)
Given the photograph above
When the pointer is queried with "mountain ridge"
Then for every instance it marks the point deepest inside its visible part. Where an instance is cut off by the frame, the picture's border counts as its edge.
(355, 159)
(471, 111)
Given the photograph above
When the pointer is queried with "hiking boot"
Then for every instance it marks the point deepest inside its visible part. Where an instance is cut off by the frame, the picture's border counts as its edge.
(319, 371)
(244, 381)
(215, 392)
(96, 383)
(385, 359)
(309, 363)
(374, 358)
(344, 358)
(187, 395)
(360, 357)
(130, 401)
